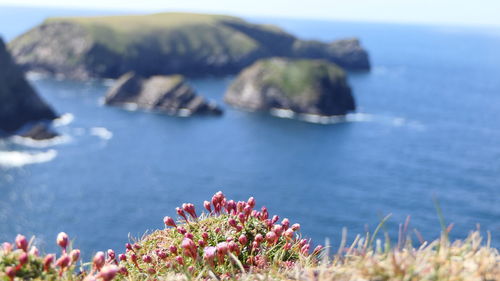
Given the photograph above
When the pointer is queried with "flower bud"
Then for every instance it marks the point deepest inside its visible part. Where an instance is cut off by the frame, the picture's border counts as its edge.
(190, 209)
(232, 222)
(173, 249)
(136, 246)
(63, 261)
(189, 247)
(168, 221)
(233, 248)
(207, 206)
(296, 227)
(271, 237)
(247, 210)
(264, 214)
(99, 260)
(305, 249)
(75, 255)
(47, 262)
(251, 202)
(111, 254)
(204, 235)
(181, 230)
(275, 219)
(201, 243)
(179, 260)
(288, 234)
(62, 240)
(285, 223)
(318, 249)
(278, 229)
(209, 255)
(108, 272)
(243, 239)
(21, 242)
(122, 257)
(162, 255)
(181, 213)
(123, 270)
(151, 271)
(217, 230)
(23, 259)
(255, 245)
(10, 271)
(128, 247)
(287, 246)
(259, 238)
(302, 242)
(147, 259)
(7, 247)
(239, 228)
(242, 218)
(189, 235)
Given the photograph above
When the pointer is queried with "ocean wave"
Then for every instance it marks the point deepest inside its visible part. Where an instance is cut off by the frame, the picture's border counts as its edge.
(64, 120)
(14, 159)
(101, 132)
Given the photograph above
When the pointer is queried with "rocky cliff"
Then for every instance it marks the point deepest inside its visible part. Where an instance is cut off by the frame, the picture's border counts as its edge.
(167, 43)
(302, 86)
(166, 94)
(19, 103)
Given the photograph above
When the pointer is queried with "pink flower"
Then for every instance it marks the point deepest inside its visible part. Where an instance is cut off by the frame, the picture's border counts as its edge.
(232, 222)
(288, 234)
(259, 238)
(207, 206)
(275, 219)
(168, 221)
(222, 249)
(151, 271)
(242, 218)
(99, 260)
(147, 259)
(10, 272)
(271, 237)
(111, 254)
(47, 261)
(122, 257)
(305, 249)
(123, 270)
(296, 227)
(231, 207)
(62, 240)
(181, 213)
(128, 247)
(264, 214)
(233, 247)
(189, 247)
(247, 210)
(161, 254)
(240, 206)
(209, 255)
(243, 239)
(285, 223)
(23, 259)
(189, 235)
(318, 249)
(204, 235)
(278, 229)
(63, 261)
(173, 249)
(179, 260)
(251, 202)
(21, 242)
(75, 255)
(108, 272)
(190, 209)
(7, 247)
(136, 246)
(181, 230)
(302, 242)
(201, 243)
(239, 228)
(287, 246)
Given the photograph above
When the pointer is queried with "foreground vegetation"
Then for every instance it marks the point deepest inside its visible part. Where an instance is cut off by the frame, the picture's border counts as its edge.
(232, 240)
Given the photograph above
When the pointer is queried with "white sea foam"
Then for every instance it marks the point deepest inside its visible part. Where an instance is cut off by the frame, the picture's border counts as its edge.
(13, 159)
(101, 132)
(64, 120)
(29, 142)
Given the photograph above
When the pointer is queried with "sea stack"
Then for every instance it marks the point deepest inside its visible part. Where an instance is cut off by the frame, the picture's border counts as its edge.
(165, 94)
(312, 87)
(20, 105)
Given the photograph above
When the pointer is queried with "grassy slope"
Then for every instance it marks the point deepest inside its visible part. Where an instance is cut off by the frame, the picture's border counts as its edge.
(177, 33)
(296, 77)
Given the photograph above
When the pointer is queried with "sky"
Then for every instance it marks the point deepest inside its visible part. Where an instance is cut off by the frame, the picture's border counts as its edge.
(462, 12)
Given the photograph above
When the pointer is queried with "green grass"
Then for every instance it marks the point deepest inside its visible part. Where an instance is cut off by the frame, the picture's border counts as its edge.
(298, 78)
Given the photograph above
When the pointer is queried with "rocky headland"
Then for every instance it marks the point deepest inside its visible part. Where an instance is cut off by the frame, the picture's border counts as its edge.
(167, 43)
(165, 94)
(21, 108)
(313, 87)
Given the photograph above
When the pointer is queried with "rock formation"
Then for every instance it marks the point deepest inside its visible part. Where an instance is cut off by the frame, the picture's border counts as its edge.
(303, 86)
(166, 94)
(20, 105)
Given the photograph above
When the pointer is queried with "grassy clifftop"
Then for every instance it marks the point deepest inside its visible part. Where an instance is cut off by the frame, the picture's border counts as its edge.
(166, 43)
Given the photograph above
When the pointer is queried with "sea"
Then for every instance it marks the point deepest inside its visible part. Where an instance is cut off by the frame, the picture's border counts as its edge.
(425, 136)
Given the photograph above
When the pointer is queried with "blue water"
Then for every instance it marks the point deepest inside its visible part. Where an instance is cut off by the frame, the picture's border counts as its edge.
(427, 126)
